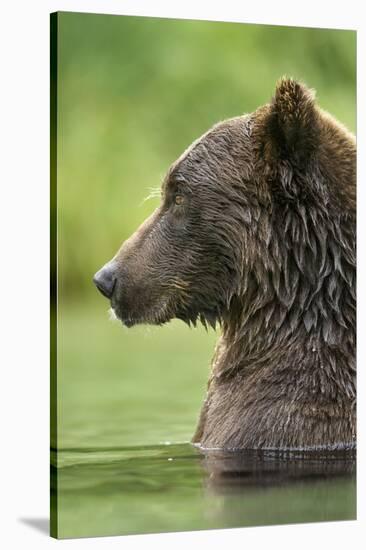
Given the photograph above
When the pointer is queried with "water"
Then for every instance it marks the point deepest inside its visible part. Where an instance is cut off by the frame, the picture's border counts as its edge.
(161, 488)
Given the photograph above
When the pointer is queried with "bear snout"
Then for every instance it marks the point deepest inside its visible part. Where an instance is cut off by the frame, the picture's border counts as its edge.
(105, 280)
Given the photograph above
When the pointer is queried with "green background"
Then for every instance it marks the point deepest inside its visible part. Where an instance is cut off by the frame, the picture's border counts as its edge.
(133, 93)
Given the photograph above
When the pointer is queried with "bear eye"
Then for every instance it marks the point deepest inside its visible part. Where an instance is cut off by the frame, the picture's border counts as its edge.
(178, 200)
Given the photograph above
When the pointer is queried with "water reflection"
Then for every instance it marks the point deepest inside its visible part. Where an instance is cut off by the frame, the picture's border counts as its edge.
(178, 487)
(269, 488)
(232, 470)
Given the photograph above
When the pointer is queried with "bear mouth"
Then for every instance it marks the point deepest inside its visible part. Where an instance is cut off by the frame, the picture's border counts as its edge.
(113, 316)
(127, 321)
(157, 315)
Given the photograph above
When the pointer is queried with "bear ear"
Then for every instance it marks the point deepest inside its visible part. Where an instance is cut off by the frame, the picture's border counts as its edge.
(292, 123)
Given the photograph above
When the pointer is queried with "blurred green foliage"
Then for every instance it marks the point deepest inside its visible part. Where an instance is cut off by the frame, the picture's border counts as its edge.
(134, 92)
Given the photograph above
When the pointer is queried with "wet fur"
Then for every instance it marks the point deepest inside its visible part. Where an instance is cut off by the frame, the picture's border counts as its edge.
(264, 244)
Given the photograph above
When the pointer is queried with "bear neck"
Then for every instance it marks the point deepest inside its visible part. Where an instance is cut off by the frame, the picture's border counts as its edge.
(298, 297)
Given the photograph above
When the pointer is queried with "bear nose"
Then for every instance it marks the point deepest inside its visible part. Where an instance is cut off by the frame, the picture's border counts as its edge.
(105, 280)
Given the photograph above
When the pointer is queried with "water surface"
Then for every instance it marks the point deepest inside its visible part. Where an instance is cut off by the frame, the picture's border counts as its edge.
(162, 488)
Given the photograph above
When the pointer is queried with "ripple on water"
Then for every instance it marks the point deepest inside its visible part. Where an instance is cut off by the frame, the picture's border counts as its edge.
(176, 487)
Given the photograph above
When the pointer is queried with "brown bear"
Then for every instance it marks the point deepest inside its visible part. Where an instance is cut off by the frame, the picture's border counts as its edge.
(256, 232)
